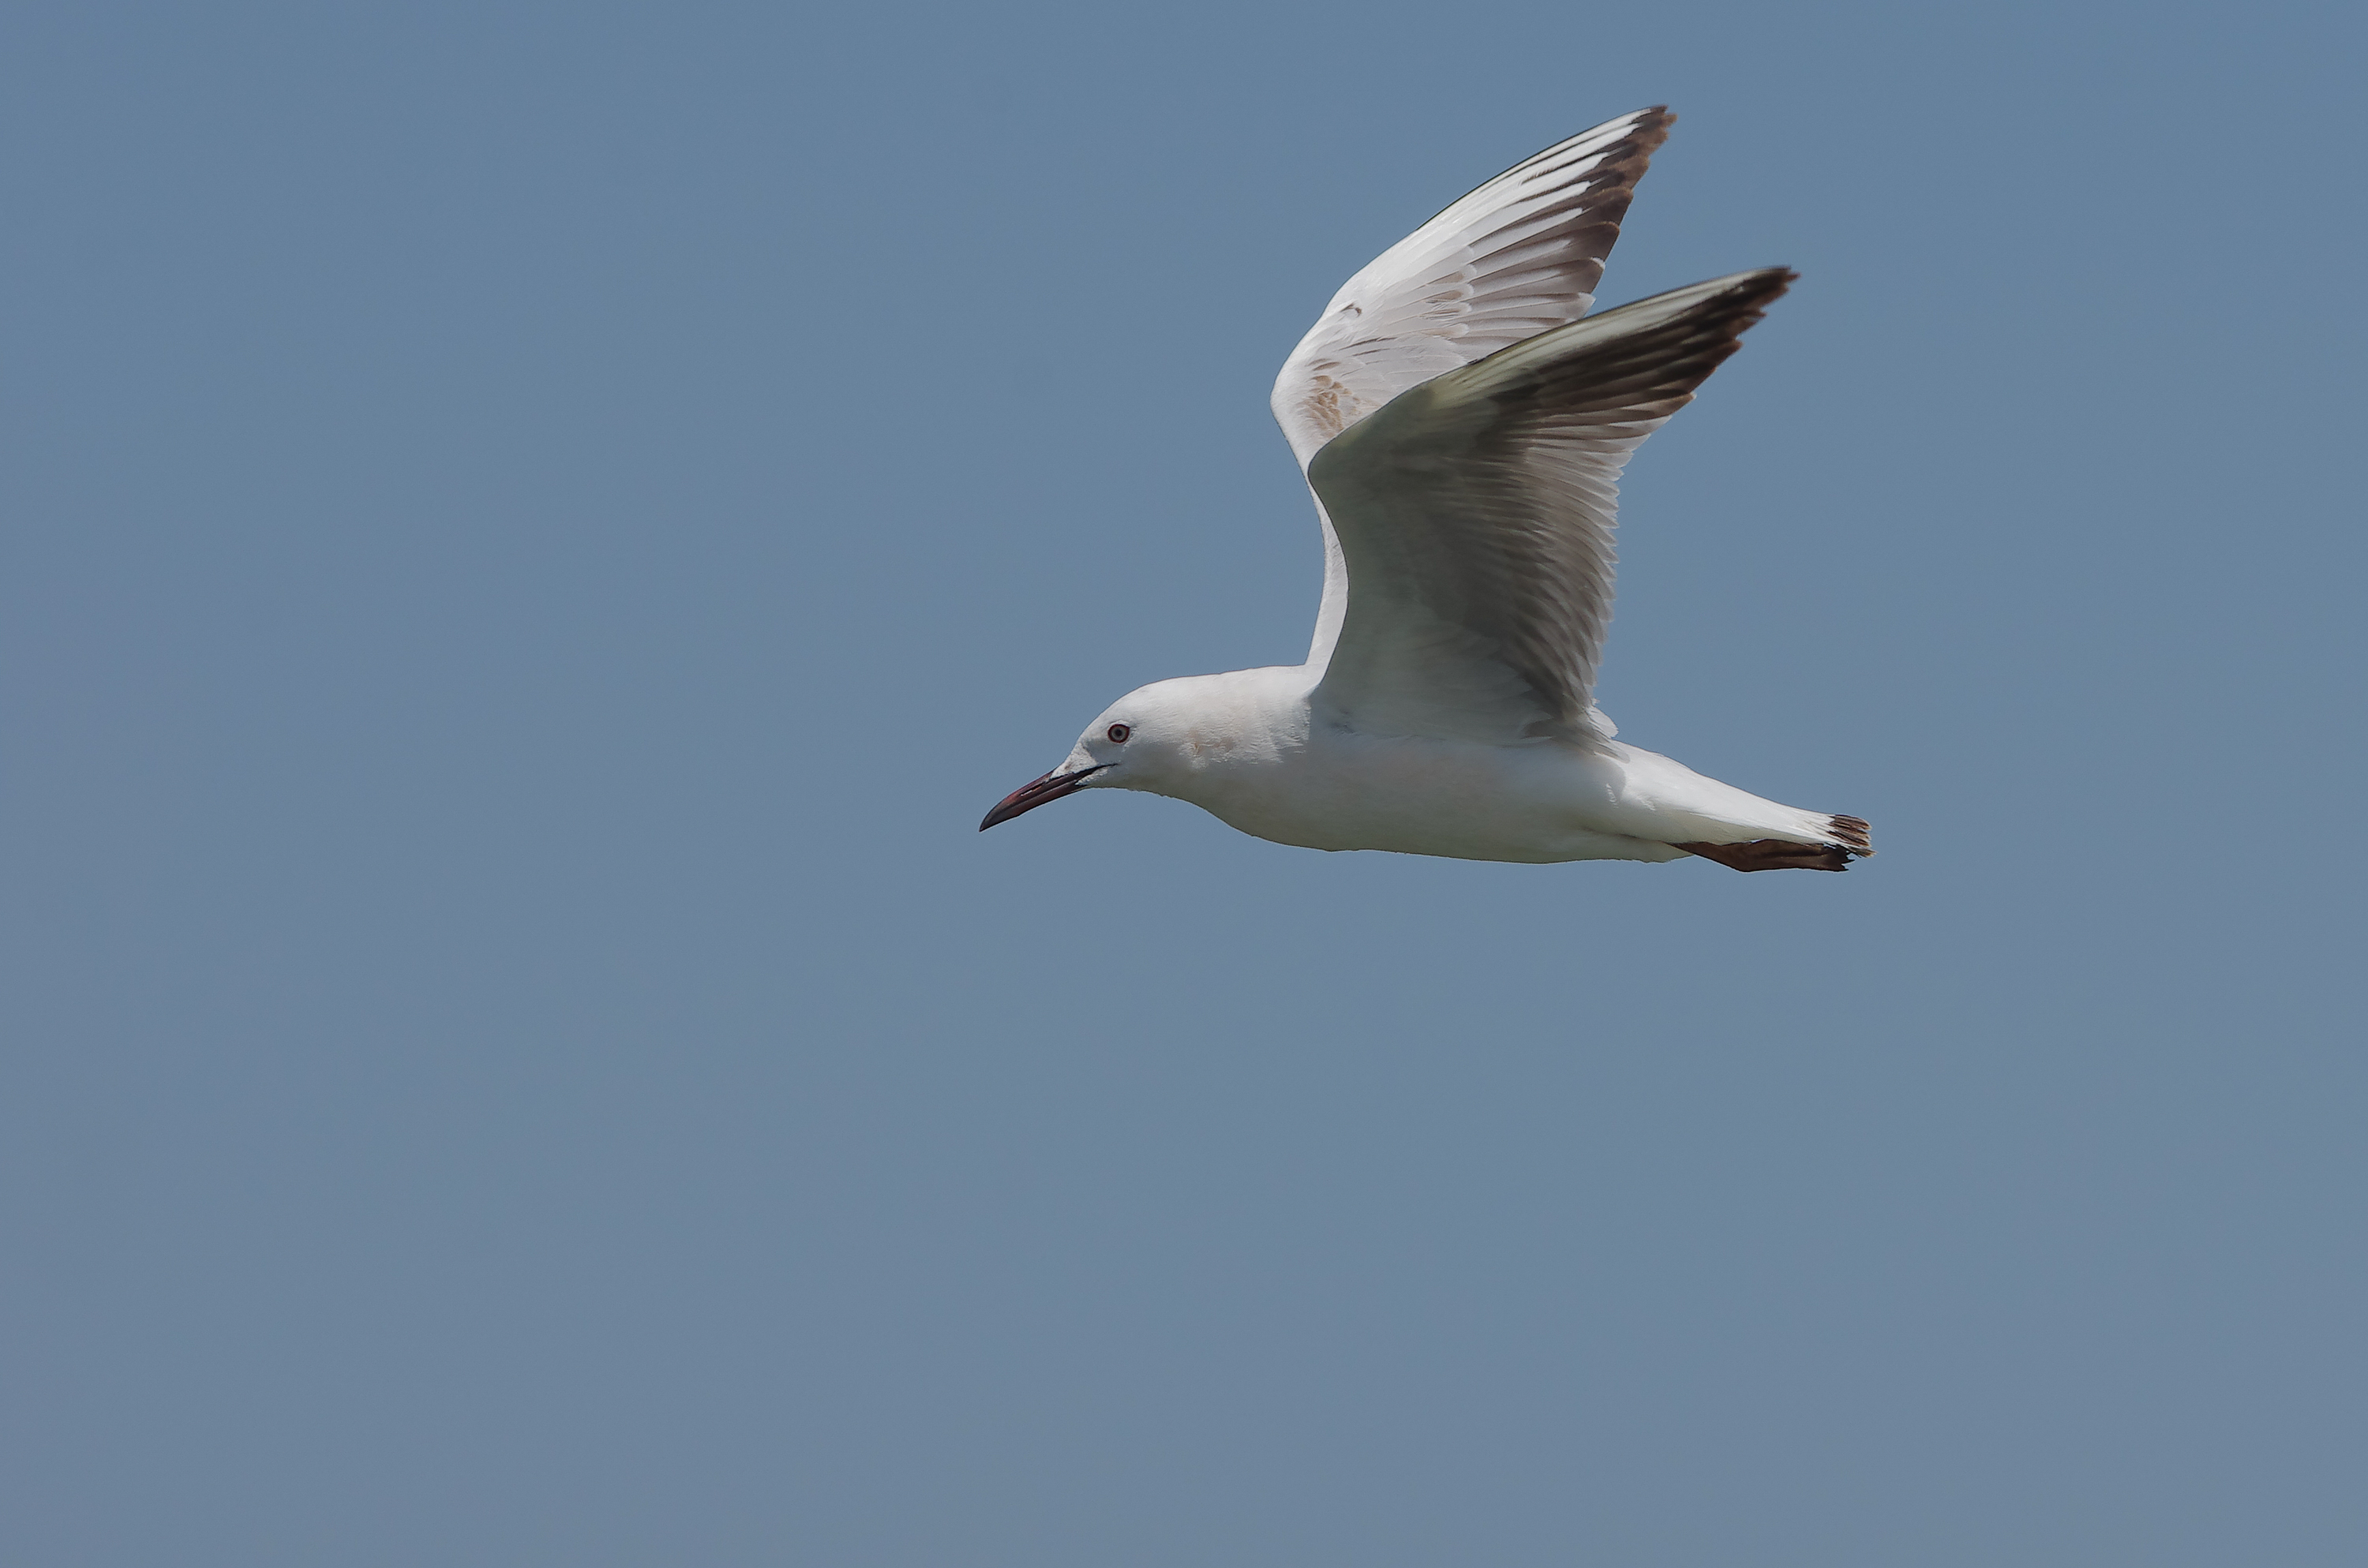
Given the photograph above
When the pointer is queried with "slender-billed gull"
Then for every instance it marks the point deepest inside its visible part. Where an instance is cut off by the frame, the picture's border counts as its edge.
(1462, 430)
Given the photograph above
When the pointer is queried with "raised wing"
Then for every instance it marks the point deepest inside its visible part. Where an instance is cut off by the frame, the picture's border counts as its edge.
(1475, 516)
(1520, 256)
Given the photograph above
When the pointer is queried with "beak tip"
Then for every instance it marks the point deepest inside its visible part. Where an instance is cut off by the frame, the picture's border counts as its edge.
(1036, 792)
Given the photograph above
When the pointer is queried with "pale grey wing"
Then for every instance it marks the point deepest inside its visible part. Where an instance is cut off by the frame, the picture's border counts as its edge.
(1520, 256)
(1475, 516)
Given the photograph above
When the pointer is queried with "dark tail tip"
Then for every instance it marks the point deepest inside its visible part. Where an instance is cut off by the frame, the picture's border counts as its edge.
(1850, 832)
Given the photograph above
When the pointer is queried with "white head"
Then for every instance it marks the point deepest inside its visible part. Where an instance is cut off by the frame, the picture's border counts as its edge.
(1165, 738)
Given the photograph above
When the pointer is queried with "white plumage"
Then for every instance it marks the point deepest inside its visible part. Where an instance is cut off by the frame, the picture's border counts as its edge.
(1462, 430)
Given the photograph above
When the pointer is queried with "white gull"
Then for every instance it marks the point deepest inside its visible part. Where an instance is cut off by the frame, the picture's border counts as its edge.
(1462, 430)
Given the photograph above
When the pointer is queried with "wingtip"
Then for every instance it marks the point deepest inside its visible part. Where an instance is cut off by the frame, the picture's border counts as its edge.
(1650, 128)
(1764, 286)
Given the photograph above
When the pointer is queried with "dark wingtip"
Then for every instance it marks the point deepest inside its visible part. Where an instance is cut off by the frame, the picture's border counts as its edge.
(1744, 304)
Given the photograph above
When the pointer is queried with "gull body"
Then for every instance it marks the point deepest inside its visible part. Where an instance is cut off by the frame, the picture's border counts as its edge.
(1462, 430)
(1249, 748)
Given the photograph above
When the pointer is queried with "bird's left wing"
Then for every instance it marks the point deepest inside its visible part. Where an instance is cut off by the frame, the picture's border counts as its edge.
(1475, 516)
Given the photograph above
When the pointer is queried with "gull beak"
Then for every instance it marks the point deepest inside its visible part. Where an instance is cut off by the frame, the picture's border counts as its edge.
(1035, 793)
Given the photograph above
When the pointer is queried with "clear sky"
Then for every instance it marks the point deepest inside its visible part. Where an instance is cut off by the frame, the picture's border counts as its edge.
(533, 532)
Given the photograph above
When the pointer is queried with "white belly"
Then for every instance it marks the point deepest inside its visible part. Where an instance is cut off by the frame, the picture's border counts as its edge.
(1537, 802)
(1475, 803)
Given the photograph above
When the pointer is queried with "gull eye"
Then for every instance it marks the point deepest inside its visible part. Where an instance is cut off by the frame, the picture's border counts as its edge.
(1118, 733)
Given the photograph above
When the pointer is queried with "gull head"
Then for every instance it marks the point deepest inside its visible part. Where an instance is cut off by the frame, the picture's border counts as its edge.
(1166, 738)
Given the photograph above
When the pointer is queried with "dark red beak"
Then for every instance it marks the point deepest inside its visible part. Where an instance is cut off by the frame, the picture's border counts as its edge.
(1035, 793)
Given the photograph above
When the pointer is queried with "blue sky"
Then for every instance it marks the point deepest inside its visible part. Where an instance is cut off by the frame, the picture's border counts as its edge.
(535, 532)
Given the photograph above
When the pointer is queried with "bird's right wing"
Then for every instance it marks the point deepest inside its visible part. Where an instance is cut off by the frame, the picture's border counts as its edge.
(1520, 256)
(1475, 516)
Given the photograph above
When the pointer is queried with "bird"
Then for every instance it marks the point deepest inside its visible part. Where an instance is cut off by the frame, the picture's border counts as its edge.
(1461, 422)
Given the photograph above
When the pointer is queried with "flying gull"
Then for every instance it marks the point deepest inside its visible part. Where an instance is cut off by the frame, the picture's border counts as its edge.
(1463, 429)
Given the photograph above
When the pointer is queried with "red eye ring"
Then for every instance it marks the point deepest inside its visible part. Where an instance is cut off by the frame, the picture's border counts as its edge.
(1118, 733)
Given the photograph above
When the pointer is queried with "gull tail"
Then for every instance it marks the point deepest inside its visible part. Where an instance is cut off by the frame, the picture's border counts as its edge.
(1850, 842)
